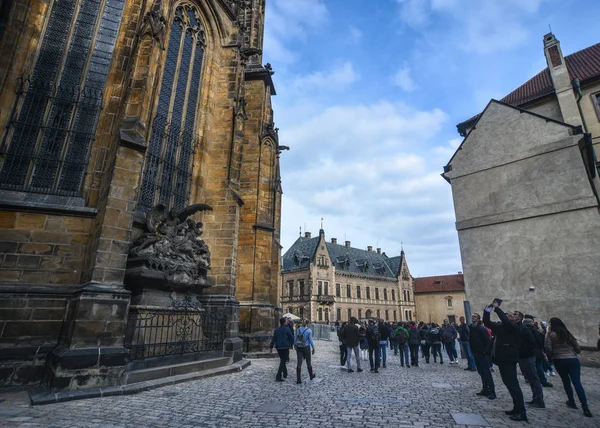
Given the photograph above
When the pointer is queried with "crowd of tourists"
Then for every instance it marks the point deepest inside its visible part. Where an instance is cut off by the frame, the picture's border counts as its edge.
(515, 340)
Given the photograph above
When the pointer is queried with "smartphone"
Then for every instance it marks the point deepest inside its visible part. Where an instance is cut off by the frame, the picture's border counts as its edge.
(498, 301)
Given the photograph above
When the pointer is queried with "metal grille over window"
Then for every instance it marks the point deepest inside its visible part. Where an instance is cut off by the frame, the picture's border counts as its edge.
(46, 146)
(169, 162)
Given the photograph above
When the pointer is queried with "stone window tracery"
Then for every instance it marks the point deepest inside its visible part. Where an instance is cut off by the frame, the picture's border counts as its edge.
(169, 160)
(46, 147)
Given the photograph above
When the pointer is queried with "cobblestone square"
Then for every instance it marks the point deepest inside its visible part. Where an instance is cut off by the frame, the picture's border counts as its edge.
(396, 397)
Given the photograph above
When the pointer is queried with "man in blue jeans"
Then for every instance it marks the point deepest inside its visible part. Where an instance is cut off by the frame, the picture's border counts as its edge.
(464, 336)
(373, 338)
(384, 332)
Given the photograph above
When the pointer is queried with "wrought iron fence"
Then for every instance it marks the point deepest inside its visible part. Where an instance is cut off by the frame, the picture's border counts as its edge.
(185, 328)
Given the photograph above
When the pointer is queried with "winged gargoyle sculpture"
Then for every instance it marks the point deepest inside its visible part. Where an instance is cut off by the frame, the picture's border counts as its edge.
(170, 254)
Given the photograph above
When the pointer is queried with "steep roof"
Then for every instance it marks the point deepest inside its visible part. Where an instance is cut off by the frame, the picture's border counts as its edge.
(395, 263)
(359, 262)
(345, 259)
(300, 254)
(584, 64)
(441, 283)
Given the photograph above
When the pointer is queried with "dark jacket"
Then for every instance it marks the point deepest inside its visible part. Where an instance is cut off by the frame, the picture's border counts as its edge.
(539, 341)
(479, 338)
(506, 335)
(424, 334)
(528, 347)
(448, 333)
(414, 337)
(463, 333)
(384, 330)
(282, 338)
(350, 335)
(373, 336)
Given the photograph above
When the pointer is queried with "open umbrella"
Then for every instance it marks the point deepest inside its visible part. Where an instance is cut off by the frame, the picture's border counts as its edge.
(292, 316)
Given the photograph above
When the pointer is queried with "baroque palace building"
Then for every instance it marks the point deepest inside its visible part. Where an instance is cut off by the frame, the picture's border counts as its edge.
(115, 116)
(326, 282)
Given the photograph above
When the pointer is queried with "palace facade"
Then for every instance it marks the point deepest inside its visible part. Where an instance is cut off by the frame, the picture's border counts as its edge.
(326, 282)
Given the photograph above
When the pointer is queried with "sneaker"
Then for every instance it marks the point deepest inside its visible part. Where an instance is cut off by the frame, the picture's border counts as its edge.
(492, 396)
(552, 373)
(352, 371)
(511, 412)
(359, 370)
(537, 404)
(376, 371)
(586, 412)
(278, 379)
(519, 417)
(547, 385)
(571, 404)
(408, 367)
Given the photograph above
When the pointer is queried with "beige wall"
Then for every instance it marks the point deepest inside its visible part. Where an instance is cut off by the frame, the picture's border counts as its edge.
(433, 307)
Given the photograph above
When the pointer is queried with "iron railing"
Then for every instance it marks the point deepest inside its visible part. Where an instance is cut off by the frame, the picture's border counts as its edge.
(185, 328)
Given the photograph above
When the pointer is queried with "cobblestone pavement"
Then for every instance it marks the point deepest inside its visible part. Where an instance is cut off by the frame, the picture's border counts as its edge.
(397, 396)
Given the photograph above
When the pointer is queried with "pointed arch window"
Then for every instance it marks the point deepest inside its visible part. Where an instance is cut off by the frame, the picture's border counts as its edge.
(46, 146)
(169, 161)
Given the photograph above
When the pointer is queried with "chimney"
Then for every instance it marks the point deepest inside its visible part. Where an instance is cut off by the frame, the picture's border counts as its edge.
(378, 250)
(307, 234)
(347, 243)
(460, 272)
(334, 240)
(370, 249)
(561, 80)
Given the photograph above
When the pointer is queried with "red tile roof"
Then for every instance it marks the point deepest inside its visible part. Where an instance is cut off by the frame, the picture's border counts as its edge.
(443, 283)
(584, 64)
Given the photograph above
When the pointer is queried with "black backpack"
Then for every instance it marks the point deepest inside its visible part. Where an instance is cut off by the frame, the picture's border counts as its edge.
(401, 335)
(301, 338)
(375, 334)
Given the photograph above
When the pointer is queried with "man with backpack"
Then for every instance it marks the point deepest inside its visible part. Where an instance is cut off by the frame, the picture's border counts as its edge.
(402, 336)
(373, 339)
(351, 337)
(435, 343)
(384, 332)
(449, 335)
(303, 341)
(414, 340)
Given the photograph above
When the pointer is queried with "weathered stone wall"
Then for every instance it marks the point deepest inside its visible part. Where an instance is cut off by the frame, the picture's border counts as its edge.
(82, 246)
(527, 220)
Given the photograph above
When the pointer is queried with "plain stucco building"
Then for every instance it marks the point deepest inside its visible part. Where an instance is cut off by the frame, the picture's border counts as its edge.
(440, 297)
(525, 188)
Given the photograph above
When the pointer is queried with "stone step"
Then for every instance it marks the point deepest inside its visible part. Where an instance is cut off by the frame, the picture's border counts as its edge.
(40, 396)
(145, 375)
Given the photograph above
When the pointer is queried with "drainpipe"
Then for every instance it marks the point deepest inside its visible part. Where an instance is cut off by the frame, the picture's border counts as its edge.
(577, 89)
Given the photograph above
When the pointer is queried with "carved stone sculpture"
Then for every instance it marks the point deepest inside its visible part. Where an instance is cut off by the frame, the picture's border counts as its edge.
(170, 255)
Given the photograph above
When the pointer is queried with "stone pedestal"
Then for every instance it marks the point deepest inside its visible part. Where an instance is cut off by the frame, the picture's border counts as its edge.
(90, 352)
(259, 321)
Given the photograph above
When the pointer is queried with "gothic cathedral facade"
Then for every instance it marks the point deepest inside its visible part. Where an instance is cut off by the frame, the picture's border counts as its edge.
(108, 108)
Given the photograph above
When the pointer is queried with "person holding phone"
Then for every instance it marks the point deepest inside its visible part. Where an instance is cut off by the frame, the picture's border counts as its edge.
(505, 354)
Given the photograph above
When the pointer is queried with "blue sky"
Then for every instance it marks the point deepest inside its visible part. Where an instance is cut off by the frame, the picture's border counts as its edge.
(369, 93)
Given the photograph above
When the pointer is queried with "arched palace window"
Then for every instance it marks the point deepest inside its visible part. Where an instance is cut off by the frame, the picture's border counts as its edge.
(46, 145)
(168, 169)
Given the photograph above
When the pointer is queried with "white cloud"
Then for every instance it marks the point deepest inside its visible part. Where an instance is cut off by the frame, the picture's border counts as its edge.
(403, 79)
(479, 26)
(354, 34)
(366, 170)
(335, 79)
(447, 151)
(290, 21)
